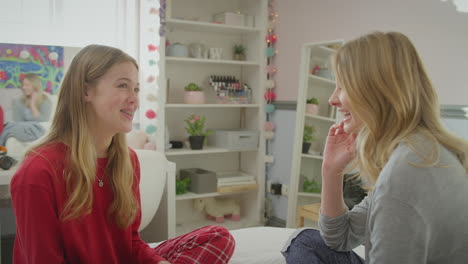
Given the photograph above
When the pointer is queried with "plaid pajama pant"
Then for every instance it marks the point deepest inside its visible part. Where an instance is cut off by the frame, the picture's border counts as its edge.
(206, 245)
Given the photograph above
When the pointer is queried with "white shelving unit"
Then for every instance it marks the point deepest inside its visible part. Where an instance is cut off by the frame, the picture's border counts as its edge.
(190, 21)
(320, 85)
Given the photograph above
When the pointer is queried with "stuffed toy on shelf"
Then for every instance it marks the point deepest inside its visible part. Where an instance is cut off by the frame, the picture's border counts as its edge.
(218, 209)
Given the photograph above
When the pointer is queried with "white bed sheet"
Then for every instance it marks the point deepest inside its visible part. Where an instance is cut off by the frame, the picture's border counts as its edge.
(263, 244)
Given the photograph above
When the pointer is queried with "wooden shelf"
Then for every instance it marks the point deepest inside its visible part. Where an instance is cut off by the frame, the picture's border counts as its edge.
(183, 228)
(170, 59)
(188, 25)
(205, 150)
(237, 188)
(212, 105)
(305, 194)
(328, 119)
(191, 196)
(322, 80)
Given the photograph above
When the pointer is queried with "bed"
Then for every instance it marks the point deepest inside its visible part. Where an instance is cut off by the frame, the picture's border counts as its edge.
(261, 245)
(254, 245)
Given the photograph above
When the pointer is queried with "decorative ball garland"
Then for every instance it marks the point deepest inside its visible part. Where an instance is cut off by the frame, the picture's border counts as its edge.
(271, 70)
(155, 15)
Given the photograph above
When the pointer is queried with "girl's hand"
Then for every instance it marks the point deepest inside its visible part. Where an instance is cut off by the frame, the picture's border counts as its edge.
(164, 262)
(339, 150)
(34, 98)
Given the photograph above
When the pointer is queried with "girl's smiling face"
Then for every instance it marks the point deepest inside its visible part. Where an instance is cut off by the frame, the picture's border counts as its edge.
(114, 100)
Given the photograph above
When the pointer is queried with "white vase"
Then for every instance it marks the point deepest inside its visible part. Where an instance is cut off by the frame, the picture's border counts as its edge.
(312, 109)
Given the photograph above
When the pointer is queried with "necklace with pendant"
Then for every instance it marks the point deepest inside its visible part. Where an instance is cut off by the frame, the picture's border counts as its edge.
(100, 183)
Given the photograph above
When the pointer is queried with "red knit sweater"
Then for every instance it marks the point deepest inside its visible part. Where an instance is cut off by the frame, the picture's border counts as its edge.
(39, 195)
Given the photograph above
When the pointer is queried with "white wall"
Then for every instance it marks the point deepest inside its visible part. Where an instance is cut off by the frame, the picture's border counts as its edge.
(68, 54)
(438, 31)
(74, 23)
(282, 149)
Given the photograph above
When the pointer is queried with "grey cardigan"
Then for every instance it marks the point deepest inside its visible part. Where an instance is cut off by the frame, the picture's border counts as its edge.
(413, 215)
(23, 113)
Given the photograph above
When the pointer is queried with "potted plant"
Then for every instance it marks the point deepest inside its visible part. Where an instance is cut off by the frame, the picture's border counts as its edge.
(307, 138)
(239, 52)
(196, 130)
(182, 185)
(311, 186)
(194, 94)
(312, 106)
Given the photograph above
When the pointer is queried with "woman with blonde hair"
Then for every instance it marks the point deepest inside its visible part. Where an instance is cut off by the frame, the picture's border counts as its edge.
(34, 104)
(29, 109)
(76, 195)
(415, 169)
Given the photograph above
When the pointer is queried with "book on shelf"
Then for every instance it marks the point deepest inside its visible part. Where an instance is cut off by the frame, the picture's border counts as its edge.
(236, 183)
(233, 177)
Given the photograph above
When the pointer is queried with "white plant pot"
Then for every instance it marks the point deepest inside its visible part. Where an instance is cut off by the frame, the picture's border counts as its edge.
(194, 97)
(312, 109)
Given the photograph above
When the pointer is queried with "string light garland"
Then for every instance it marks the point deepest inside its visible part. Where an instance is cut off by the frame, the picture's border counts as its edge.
(152, 14)
(270, 95)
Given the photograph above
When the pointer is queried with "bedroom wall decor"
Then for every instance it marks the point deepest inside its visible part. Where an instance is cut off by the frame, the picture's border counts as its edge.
(18, 59)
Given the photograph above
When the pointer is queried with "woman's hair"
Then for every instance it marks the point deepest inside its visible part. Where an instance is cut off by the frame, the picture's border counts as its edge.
(390, 93)
(36, 83)
(71, 125)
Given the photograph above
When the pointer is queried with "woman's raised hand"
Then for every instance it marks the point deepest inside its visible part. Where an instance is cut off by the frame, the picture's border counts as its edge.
(339, 150)
(33, 99)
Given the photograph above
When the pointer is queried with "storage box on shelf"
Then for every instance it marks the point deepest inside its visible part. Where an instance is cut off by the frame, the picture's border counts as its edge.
(318, 82)
(235, 114)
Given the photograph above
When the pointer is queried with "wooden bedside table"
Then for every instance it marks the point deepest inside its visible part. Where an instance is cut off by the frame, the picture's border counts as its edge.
(309, 211)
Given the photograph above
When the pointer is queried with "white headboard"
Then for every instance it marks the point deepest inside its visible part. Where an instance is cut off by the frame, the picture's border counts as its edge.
(6, 101)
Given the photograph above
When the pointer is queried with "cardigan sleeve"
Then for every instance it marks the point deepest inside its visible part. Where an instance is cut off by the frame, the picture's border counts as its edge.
(347, 231)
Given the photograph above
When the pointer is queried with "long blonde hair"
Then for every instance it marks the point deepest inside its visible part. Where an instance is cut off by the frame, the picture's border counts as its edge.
(36, 83)
(389, 91)
(71, 125)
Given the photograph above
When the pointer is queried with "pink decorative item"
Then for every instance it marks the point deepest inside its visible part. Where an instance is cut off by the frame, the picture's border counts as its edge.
(312, 109)
(269, 126)
(271, 69)
(315, 70)
(150, 114)
(152, 47)
(270, 96)
(150, 79)
(137, 139)
(150, 146)
(271, 38)
(154, 11)
(194, 97)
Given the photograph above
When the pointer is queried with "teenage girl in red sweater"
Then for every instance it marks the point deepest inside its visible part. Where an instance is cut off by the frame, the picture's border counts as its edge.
(76, 196)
